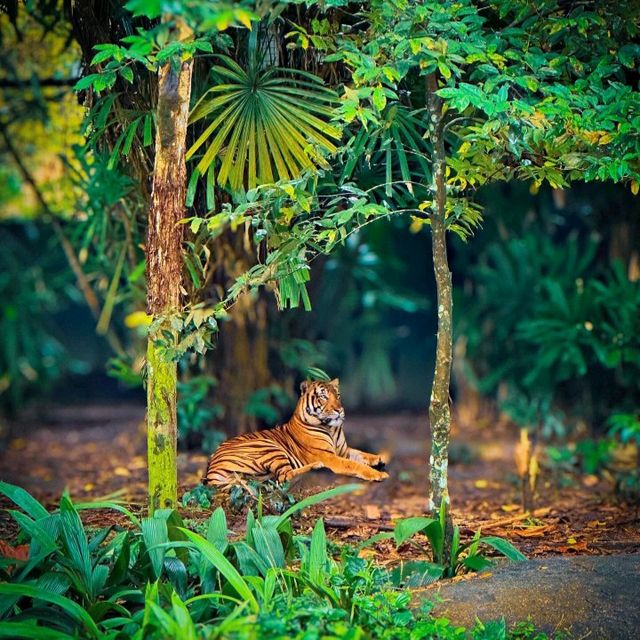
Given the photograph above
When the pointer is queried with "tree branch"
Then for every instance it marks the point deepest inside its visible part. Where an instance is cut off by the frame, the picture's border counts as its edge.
(6, 83)
(69, 252)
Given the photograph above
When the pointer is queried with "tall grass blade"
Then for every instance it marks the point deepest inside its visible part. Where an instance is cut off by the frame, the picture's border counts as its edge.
(315, 499)
(214, 556)
(318, 553)
(69, 606)
(24, 500)
(408, 527)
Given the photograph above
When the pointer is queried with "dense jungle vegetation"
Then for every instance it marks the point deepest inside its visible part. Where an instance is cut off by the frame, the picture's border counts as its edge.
(204, 203)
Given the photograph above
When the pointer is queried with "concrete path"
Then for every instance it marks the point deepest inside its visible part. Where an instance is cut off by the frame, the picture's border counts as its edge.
(594, 597)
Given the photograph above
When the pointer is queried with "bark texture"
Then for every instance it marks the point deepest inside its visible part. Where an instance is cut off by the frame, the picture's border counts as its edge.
(439, 410)
(164, 272)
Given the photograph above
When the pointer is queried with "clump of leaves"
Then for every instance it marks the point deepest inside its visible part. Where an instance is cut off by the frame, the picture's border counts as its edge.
(199, 496)
(461, 557)
(196, 413)
(159, 579)
(269, 495)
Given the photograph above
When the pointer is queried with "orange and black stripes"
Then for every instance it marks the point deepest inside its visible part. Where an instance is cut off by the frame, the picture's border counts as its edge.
(312, 438)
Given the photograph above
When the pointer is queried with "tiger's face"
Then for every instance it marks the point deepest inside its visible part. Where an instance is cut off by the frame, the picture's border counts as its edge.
(320, 403)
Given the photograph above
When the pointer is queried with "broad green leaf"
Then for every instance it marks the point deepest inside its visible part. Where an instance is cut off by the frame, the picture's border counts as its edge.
(218, 560)
(318, 553)
(504, 547)
(217, 531)
(408, 527)
(24, 500)
(69, 606)
(315, 499)
(416, 573)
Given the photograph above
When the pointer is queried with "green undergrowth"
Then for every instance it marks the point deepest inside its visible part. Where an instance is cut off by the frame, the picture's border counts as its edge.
(161, 579)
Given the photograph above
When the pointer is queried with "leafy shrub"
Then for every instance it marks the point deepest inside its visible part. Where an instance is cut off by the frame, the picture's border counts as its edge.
(158, 579)
(626, 427)
(547, 326)
(450, 557)
(196, 413)
(33, 287)
(268, 403)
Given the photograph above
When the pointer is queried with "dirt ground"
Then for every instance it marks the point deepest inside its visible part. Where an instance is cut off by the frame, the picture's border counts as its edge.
(99, 451)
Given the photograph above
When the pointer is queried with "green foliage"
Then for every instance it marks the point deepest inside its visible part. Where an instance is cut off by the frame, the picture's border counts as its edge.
(626, 426)
(388, 158)
(539, 97)
(367, 311)
(200, 496)
(258, 119)
(33, 287)
(196, 413)
(151, 48)
(268, 403)
(570, 325)
(462, 557)
(158, 579)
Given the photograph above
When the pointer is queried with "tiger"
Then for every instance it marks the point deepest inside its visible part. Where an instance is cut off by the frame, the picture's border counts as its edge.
(313, 438)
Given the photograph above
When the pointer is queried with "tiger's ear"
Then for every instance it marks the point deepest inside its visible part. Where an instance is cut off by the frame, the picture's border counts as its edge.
(304, 385)
(335, 383)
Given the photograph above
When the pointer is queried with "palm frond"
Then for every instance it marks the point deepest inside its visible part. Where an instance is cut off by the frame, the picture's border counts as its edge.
(397, 145)
(266, 123)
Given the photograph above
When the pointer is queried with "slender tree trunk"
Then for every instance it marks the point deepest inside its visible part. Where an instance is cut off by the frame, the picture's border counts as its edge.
(439, 411)
(164, 272)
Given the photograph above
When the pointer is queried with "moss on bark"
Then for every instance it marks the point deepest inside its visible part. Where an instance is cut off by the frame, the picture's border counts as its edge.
(161, 429)
(164, 271)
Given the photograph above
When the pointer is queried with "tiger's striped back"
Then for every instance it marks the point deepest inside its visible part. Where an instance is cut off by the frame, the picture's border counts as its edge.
(314, 429)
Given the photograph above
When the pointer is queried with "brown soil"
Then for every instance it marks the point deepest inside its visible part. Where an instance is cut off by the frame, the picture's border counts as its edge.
(99, 451)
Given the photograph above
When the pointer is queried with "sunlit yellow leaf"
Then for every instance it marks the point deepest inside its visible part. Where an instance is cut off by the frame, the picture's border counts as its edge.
(243, 17)
(416, 224)
(538, 119)
(137, 319)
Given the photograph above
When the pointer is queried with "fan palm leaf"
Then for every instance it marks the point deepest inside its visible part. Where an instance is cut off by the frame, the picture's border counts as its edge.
(266, 124)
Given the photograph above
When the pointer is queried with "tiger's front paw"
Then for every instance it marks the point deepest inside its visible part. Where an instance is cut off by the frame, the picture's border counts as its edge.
(380, 461)
(379, 476)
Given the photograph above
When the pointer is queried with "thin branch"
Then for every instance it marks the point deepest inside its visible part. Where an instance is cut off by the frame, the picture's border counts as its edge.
(7, 83)
(69, 252)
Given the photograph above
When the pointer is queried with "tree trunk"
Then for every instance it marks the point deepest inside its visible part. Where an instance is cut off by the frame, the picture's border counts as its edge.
(439, 411)
(164, 272)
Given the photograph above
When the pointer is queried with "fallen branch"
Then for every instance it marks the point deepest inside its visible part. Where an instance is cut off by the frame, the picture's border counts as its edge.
(495, 524)
(338, 522)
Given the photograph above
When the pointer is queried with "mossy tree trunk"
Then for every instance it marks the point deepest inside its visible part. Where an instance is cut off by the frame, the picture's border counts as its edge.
(164, 272)
(439, 411)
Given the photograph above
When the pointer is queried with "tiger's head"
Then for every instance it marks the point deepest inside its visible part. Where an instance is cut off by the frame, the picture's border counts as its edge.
(320, 403)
